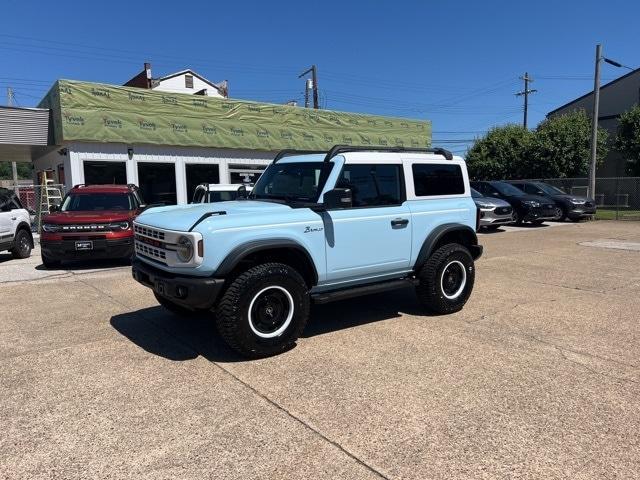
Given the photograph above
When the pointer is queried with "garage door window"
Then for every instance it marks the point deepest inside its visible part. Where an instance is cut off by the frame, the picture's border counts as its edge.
(158, 182)
(105, 173)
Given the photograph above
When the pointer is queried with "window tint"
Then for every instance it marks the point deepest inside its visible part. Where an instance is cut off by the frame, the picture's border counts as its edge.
(372, 185)
(437, 179)
(96, 202)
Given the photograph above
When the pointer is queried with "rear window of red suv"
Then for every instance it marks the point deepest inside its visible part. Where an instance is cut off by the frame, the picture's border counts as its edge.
(95, 202)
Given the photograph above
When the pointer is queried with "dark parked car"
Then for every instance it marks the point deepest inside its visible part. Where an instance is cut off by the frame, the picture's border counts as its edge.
(526, 208)
(573, 207)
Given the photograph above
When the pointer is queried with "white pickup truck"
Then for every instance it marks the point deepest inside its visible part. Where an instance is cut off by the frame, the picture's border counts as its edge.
(15, 225)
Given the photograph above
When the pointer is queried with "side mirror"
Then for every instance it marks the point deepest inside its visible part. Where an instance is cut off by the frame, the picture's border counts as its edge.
(242, 192)
(338, 198)
(54, 208)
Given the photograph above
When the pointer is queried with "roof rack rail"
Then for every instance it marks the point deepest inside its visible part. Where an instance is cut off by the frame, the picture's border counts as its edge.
(291, 151)
(338, 149)
(78, 185)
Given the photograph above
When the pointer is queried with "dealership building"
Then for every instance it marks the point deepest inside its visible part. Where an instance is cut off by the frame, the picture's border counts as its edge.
(168, 142)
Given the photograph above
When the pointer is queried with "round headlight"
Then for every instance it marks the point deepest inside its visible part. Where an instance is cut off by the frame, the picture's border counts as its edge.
(184, 250)
(119, 226)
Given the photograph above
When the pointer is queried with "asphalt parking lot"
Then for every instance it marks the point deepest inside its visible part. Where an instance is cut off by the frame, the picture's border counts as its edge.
(537, 377)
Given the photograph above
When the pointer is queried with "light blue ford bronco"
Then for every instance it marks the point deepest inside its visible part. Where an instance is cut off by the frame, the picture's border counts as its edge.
(317, 227)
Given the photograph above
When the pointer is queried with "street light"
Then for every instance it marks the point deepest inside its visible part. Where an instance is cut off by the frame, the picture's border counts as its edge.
(594, 122)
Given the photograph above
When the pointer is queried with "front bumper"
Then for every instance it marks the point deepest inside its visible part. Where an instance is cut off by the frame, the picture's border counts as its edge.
(196, 293)
(537, 213)
(581, 212)
(490, 217)
(102, 249)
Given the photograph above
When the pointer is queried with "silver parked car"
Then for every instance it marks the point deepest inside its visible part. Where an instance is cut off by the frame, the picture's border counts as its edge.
(493, 211)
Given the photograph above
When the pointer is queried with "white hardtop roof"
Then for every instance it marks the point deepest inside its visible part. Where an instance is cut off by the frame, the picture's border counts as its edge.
(374, 157)
(227, 187)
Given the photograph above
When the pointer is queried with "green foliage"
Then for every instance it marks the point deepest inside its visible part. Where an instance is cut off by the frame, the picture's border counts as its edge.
(628, 139)
(25, 171)
(500, 153)
(562, 146)
(559, 147)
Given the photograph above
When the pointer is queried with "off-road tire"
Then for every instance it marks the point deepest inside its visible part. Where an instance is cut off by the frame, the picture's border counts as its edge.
(22, 245)
(50, 263)
(233, 309)
(172, 307)
(430, 288)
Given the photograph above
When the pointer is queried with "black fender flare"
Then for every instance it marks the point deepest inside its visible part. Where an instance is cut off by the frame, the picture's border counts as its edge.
(27, 228)
(242, 251)
(439, 232)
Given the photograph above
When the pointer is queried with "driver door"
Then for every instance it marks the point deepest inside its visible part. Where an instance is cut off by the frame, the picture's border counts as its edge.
(373, 238)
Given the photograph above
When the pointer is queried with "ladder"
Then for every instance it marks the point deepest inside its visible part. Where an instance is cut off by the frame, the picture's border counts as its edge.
(49, 195)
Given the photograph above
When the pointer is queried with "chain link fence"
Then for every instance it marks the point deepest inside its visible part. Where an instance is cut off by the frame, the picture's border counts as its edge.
(617, 198)
(38, 199)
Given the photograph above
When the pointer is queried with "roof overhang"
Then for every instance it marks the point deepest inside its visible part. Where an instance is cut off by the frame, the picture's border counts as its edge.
(24, 133)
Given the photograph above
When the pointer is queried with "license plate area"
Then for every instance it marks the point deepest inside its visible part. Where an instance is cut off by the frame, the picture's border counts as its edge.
(83, 245)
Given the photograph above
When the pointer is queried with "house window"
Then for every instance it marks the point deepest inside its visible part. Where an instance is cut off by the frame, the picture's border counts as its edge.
(188, 81)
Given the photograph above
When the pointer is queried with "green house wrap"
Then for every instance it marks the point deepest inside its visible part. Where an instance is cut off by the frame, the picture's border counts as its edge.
(96, 112)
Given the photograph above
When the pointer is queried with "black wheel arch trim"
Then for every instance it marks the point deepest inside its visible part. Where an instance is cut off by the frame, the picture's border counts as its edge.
(440, 231)
(27, 228)
(242, 251)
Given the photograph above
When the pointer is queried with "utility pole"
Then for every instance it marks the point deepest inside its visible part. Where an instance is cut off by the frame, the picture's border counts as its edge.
(14, 166)
(307, 89)
(525, 93)
(594, 125)
(314, 80)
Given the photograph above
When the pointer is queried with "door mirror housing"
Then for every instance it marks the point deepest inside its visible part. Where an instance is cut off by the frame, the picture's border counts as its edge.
(338, 198)
(242, 192)
(54, 208)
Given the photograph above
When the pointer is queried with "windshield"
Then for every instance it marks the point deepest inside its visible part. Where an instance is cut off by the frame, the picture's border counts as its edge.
(550, 189)
(289, 181)
(476, 194)
(507, 189)
(96, 202)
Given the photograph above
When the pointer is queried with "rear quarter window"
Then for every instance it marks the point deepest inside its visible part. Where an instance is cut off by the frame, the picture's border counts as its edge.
(431, 179)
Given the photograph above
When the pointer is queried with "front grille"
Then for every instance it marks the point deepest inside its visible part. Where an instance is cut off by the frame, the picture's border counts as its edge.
(503, 210)
(149, 232)
(93, 227)
(149, 251)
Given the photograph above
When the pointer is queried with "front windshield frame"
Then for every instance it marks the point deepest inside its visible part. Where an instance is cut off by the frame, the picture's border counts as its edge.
(507, 189)
(68, 206)
(266, 179)
(476, 194)
(549, 189)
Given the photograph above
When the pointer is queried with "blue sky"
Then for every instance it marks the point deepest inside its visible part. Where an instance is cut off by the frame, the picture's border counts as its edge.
(454, 63)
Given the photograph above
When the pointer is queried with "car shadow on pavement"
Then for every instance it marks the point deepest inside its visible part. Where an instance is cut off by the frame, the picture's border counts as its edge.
(178, 338)
(5, 257)
(174, 337)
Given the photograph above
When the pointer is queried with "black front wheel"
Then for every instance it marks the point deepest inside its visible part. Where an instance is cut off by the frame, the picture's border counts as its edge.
(446, 280)
(22, 245)
(264, 310)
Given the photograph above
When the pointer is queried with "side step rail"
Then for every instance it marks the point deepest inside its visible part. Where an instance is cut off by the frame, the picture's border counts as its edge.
(335, 295)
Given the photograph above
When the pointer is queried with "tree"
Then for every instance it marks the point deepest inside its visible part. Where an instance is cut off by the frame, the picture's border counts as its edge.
(628, 139)
(562, 146)
(25, 171)
(500, 153)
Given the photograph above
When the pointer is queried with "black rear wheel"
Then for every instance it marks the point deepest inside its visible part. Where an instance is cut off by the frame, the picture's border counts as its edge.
(264, 310)
(22, 245)
(446, 280)
(49, 262)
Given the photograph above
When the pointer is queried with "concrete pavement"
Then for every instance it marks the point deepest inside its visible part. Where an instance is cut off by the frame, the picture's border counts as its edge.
(537, 377)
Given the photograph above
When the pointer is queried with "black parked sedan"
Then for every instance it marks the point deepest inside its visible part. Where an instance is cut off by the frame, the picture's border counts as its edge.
(573, 207)
(526, 208)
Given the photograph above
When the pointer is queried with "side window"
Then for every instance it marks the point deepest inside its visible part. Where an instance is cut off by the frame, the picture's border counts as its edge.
(373, 185)
(431, 179)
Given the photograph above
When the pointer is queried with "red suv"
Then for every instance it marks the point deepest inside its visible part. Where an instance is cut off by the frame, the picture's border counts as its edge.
(93, 222)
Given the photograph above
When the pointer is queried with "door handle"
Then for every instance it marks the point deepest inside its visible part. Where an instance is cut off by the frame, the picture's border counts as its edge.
(14, 218)
(399, 222)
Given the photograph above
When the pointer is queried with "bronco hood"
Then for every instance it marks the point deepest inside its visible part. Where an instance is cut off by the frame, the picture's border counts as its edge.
(183, 217)
(106, 216)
